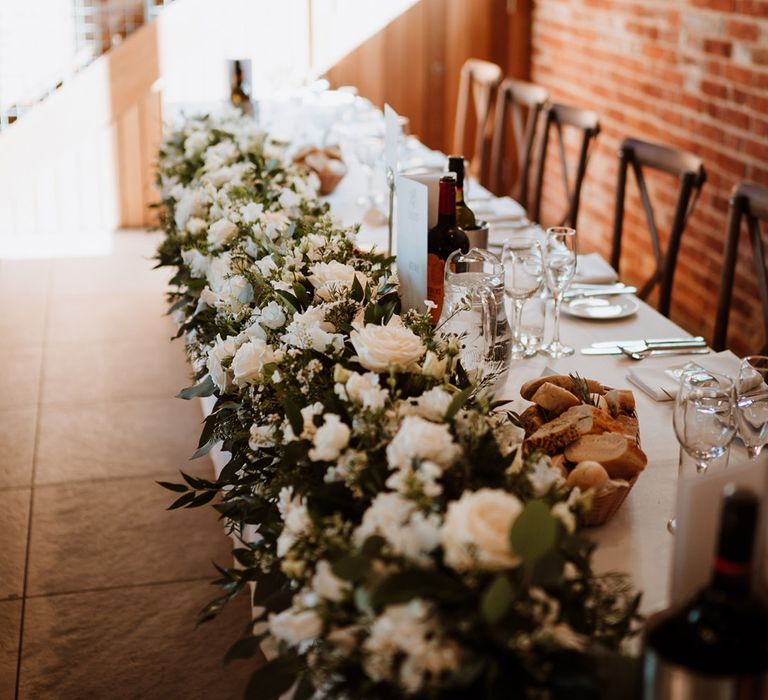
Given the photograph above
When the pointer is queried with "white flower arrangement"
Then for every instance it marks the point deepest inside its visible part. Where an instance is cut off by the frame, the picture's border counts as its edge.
(407, 547)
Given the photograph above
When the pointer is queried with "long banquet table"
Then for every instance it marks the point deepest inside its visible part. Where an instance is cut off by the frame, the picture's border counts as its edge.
(636, 540)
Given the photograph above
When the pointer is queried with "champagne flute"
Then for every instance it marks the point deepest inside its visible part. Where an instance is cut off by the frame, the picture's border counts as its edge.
(560, 267)
(523, 277)
(752, 403)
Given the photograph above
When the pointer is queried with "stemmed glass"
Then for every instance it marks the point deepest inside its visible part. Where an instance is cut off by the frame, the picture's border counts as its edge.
(523, 277)
(704, 419)
(752, 403)
(369, 150)
(560, 267)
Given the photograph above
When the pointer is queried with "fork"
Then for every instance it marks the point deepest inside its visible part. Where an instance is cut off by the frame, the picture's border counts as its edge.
(648, 352)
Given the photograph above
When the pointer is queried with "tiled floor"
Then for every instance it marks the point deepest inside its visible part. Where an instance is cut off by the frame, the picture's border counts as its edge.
(99, 584)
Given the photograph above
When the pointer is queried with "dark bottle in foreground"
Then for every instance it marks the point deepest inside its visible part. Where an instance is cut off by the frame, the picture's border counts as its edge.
(238, 96)
(465, 217)
(442, 240)
(716, 645)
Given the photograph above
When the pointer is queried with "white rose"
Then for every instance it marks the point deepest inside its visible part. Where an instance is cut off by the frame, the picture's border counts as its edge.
(327, 585)
(333, 276)
(330, 439)
(220, 231)
(476, 531)
(196, 262)
(289, 199)
(433, 404)
(272, 315)
(295, 627)
(381, 347)
(251, 212)
(421, 439)
(296, 521)
(196, 225)
(194, 143)
(250, 360)
(364, 389)
(223, 349)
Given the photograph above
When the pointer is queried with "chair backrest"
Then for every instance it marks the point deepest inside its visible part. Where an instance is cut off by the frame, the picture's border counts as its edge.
(557, 116)
(515, 97)
(690, 171)
(479, 79)
(748, 202)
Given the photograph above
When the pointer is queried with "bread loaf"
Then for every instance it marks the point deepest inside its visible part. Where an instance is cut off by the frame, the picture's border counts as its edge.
(629, 427)
(562, 380)
(602, 422)
(588, 475)
(552, 437)
(554, 399)
(620, 458)
(620, 401)
(532, 418)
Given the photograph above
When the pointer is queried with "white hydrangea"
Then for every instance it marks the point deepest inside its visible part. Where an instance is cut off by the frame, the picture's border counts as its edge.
(363, 389)
(408, 531)
(310, 330)
(296, 521)
(327, 585)
(432, 404)
(330, 439)
(418, 438)
(309, 429)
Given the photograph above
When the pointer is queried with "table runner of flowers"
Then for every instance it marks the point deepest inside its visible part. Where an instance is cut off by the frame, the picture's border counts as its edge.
(400, 541)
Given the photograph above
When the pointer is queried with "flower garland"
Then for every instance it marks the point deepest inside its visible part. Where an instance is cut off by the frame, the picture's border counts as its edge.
(404, 545)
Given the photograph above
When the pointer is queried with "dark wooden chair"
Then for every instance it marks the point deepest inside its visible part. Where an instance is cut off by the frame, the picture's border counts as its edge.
(749, 202)
(689, 169)
(521, 104)
(558, 116)
(479, 79)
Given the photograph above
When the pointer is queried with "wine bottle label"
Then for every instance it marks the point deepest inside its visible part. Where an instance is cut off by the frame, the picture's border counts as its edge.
(435, 282)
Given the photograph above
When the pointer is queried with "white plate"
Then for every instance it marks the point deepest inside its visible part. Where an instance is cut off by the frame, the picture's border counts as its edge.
(602, 308)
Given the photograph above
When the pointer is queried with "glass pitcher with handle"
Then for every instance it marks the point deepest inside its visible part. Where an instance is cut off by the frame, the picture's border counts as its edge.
(473, 308)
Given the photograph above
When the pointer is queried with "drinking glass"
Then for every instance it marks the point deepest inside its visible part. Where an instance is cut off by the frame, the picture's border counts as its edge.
(752, 403)
(560, 267)
(523, 278)
(369, 150)
(704, 416)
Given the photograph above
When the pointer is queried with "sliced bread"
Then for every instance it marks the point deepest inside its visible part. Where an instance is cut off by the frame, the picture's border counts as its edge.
(552, 437)
(620, 401)
(562, 380)
(554, 398)
(621, 459)
(602, 422)
(532, 418)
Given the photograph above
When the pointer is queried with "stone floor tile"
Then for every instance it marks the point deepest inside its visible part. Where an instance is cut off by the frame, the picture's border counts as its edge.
(17, 445)
(10, 627)
(14, 525)
(19, 375)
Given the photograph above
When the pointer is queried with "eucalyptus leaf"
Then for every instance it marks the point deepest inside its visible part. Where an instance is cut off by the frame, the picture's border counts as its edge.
(458, 402)
(497, 599)
(205, 388)
(179, 488)
(534, 532)
(245, 648)
(274, 678)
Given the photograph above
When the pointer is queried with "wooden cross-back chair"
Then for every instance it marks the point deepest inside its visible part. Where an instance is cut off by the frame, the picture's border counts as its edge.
(749, 202)
(513, 99)
(479, 79)
(689, 169)
(585, 121)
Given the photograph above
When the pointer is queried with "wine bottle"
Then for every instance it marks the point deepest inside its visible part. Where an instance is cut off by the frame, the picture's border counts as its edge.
(716, 645)
(238, 96)
(443, 238)
(465, 217)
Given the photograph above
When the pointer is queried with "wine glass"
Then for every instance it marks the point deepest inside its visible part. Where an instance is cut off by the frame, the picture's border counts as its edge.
(752, 403)
(523, 277)
(704, 417)
(560, 267)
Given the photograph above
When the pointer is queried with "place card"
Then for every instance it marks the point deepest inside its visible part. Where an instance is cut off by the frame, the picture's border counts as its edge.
(699, 498)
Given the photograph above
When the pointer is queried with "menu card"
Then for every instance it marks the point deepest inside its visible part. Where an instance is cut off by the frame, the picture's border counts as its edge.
(392, 134)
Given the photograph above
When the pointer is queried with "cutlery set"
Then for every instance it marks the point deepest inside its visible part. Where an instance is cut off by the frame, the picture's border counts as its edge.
(649, 347)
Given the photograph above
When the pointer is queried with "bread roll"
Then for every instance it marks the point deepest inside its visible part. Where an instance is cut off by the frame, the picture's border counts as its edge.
(629, 427)
(552, 437)
(532, 418)
(554, 399)
(588, 475)
(602, 422)
(620, 401)
(621, 459)
(562, 380)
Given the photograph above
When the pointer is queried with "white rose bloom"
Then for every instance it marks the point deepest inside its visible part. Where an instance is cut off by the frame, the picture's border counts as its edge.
(191, 203)
(289, 200)
(252, 212)
(476, 531)
(408, 531)
(294, 627)
(218, 270)
(327, 585)
(330, 439)
(381, 347)
(234, 293)
(309, 429)
(309, 330)
(220, 231)
(266, 265)
(363, 389)
(253, 331)
(196, 225)
(544, 476)
(272, 315)
(219, 155)
(219, 176)
(432, 404)
(223, 349)
(421, 439)
(273, 223)
(207, 298)
(250, 360)
(296, 521)
(331, 277)
(196, 262)
(195, 143)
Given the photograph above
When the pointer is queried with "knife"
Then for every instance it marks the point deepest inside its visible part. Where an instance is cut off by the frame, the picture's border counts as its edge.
(575, 294)
(674, 347)
(651, 342)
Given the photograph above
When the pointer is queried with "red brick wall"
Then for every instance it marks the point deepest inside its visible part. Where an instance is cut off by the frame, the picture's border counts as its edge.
(689, 73)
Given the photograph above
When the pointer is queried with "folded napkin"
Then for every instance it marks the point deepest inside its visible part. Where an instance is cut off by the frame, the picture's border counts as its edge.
(497, 209)
(662, 381)
(593, 269)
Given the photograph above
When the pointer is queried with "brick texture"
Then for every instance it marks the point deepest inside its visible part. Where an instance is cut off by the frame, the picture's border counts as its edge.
(688, 73)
